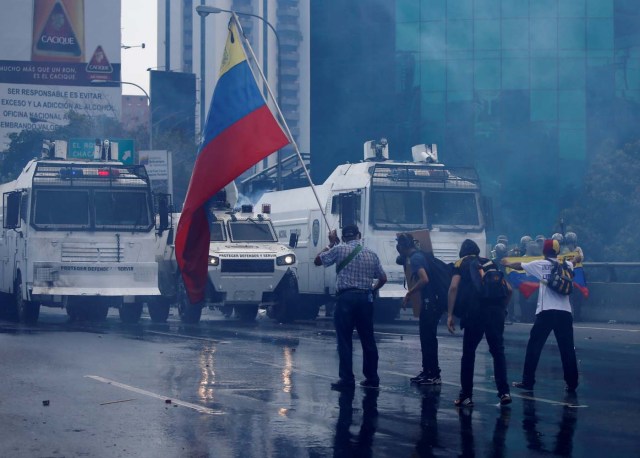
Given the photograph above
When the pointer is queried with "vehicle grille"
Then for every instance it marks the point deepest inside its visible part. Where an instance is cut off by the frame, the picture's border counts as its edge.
(247, 265)
(91, 252)
(446, 254)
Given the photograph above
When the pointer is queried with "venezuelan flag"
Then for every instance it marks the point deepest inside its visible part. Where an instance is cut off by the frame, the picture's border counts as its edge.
(579, 280)
(240, 131)
(526, 284)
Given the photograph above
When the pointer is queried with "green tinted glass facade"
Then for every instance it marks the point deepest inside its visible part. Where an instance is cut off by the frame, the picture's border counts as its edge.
(523, 90)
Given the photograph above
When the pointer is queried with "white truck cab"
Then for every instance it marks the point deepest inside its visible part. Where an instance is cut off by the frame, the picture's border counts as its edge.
(248, 267)
(383, 197)
(80, 235)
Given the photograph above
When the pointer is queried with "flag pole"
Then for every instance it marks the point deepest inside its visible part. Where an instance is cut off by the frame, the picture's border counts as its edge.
(282, 119)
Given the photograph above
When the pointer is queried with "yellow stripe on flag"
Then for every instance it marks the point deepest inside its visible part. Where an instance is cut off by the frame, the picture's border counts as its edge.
(233, 50)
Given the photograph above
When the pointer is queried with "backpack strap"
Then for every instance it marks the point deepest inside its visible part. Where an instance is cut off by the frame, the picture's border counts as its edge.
(349, 258)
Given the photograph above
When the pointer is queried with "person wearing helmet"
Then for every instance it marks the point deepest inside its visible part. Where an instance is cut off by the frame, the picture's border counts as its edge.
(503, 239)
(571, 246)
(500, 252)
(535, 248)
(574, 254)
(521, 250)
(558, 236)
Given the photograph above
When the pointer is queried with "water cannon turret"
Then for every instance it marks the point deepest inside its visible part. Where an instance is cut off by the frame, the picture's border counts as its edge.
(54, 149)
(226, 198)
(425, 153)
(376, 151)
(106, 150)
(48, 149)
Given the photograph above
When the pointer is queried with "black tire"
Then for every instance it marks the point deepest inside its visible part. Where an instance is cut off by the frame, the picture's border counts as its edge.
(130, 313)
(97, 308)
(74, 309)
(26, 311)
(189, 313)
(385, 312)
(98, 312)
(287, 300)
(6, 302)
(308, 311)
(159, 309)
(246, 312)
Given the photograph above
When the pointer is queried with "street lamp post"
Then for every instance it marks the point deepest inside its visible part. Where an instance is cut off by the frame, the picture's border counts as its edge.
(203, 11)
(98, 82)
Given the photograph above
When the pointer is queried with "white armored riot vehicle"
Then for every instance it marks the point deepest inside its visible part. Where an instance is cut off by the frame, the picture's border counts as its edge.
(248, 267)
(80, 235)
(383, 197)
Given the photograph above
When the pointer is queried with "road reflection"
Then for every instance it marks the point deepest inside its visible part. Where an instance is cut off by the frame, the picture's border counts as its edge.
(347, 444)
(563, 445)
(497, 447)
(206, 362)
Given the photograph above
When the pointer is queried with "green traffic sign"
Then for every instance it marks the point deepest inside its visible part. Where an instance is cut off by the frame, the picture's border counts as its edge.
(82, 148)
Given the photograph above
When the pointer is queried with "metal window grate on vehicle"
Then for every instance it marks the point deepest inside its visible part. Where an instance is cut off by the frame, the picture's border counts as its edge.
(91, 252)
(247, 265)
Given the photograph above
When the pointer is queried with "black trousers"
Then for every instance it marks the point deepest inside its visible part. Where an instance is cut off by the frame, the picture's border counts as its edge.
(428, 325)
(353, 310)
(487, 322)
(561, 323)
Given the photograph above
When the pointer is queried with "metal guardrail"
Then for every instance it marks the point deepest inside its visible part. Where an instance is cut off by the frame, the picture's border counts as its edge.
(612, 271)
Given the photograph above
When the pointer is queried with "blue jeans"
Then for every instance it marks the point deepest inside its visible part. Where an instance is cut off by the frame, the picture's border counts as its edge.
(353, 310)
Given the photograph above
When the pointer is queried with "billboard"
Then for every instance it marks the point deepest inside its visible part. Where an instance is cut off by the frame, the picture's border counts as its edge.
(159, 168)
(58, 49)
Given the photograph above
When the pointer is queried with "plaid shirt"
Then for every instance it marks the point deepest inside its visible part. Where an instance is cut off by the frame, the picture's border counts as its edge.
(361, 271)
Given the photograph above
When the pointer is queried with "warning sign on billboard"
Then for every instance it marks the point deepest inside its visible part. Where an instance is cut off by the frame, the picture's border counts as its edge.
(58, 30)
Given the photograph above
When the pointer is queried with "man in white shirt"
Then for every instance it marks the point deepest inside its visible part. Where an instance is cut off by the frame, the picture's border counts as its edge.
(553, 313)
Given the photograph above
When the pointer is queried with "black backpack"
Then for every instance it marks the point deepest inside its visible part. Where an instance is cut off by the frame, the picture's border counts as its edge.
(488, 281)
(440, 274)
(561, 278)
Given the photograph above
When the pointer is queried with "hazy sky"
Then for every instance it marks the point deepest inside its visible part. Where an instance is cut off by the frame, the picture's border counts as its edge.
(139, 25)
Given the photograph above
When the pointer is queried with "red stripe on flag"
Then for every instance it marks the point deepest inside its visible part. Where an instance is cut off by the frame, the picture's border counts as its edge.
(583, 289)
(527, 288)
(223, 159)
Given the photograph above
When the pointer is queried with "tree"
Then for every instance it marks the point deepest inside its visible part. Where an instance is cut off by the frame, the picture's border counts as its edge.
(27, 144)
(607, 216)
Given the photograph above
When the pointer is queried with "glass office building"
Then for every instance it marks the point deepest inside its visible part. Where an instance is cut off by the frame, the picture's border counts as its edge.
(525, 90)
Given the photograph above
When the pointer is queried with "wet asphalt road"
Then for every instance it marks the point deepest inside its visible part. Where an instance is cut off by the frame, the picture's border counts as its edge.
(229, 389)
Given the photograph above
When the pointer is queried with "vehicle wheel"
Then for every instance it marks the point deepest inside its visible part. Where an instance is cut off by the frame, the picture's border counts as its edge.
(189, 313)
(98, 312)
(246, 312)
(308, 311)
(286, 300)
(386, 312)
(6, 302)
(130, 313)
(159, 309)
(27, 311)
(74, 309)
